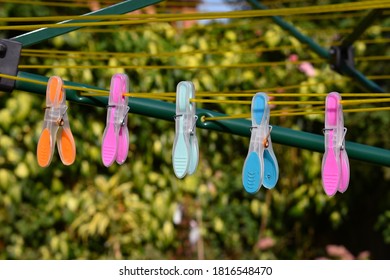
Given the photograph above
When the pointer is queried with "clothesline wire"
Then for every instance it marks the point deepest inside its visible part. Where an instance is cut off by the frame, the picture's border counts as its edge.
(144, 18)
(184, 67)
(300, 102)
(85, 55)
(301, 113)
(97, 92)
(162, 3)
(130, 16)
(253, 24)
(154, 95)
(319, 9)
(270, 89)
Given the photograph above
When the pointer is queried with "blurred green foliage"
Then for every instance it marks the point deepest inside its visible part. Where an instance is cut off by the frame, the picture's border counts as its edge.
(140, 210)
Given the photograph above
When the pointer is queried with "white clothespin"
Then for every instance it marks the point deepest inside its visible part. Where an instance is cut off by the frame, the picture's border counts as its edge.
(56, 126)
(185, 153)
(261, 166)
(115, 144)
(335, 163)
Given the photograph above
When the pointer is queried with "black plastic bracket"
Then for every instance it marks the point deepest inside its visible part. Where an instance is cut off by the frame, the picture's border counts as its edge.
(340, 55)
(9, 61)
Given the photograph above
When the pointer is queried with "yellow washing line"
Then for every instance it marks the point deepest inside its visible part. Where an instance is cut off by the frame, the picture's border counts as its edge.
(72, 3)
(183, 67)
(86, 55)
(372, 58)
(304, 84)
(334, 16)
(204, 2)
(106, 92)
(319, 9)
(214, 25)
(106, 2)
(296, 110)
(108, 55)
(253, 24)
(102, 55)
(375, 41)
(269, 90)
(343, 102)
(293, 95)
(135, 95)
(127, 16)
(123, 54)
(145, 18)
(45, 3)
(378, 77)
(160, 6)
(287, 113)
(81, 89)
(87, 91)
(98, 92)
(213, 94)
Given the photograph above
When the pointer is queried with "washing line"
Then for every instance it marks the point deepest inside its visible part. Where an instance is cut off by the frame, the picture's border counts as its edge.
(101, 55)
(146, 18)
(166, 111)
(187, 67)
(92, 92)
(282, 112)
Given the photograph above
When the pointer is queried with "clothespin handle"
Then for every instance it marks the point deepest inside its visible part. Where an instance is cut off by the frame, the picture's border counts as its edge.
(335, 164)
(260, 167)
(115, 143)
(56, 126)
(185, 152)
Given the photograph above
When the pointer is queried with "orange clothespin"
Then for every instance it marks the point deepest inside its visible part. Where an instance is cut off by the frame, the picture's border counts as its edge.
(56, 126)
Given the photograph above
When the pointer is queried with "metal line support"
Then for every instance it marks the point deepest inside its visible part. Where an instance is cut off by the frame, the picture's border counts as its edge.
(344, 68)
(344, 53)
(361, 27)
(166, 111)
(42, 34)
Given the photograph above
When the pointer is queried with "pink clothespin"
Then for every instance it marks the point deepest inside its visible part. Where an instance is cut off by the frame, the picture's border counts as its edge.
(335, 163)
(115, 144)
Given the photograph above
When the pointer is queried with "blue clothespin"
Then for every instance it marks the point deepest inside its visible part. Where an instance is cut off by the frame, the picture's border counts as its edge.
(261, 166)
(185, 153)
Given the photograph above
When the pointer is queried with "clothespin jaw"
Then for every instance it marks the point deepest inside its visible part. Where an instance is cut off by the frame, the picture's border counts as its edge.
(335, 163)
(115, 143)
(185, 152)
(261, 166)
(194, 146)
(56, 127)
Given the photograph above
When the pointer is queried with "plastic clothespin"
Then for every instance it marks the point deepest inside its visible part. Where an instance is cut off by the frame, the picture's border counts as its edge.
(115, 143)
(56, 126)
(335, 163)
(261, 166)
(185, 153)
